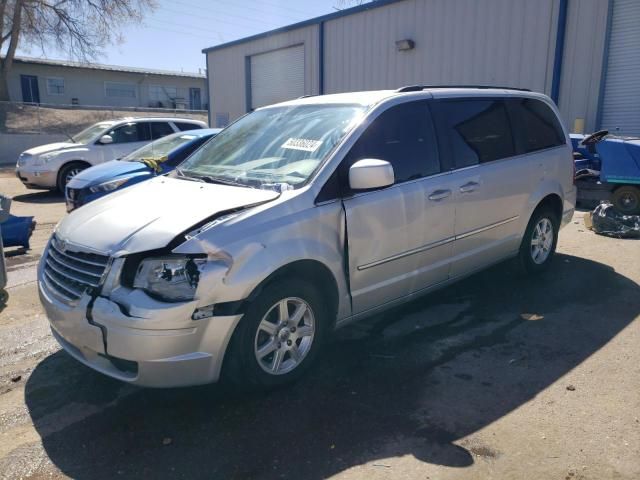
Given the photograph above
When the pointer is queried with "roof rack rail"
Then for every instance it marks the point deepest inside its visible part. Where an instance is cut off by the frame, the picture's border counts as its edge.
(418, 88)
(305, 96)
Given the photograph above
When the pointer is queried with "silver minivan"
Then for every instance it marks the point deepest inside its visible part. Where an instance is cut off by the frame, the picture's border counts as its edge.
(300, 218)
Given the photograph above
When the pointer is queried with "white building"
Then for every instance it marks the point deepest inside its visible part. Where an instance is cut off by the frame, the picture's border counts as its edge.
(60, 82)
(585, 54)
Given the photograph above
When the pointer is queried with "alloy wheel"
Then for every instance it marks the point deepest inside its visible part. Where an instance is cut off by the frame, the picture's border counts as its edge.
(542, 241)
(284, 336)
(70, 174)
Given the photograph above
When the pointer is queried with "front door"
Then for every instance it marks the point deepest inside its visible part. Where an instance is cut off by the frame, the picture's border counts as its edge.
(491, 183)
(30, 91)
(400, 238)
(195, 102)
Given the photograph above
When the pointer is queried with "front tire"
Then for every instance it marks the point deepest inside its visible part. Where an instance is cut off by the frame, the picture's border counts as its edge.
(539, 242)
(279, 336)
(67, 172)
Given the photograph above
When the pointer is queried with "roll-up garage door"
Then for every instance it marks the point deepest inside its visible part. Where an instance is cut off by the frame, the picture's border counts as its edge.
(621, 105)
(277, 76)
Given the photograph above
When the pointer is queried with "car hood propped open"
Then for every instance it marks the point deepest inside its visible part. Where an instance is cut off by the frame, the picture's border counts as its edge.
(150, 215)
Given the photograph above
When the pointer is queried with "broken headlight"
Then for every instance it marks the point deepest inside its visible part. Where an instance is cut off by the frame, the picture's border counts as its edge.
(171, 279)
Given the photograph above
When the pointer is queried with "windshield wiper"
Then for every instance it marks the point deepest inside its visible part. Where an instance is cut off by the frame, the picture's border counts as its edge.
(222, 181)
(181, 174)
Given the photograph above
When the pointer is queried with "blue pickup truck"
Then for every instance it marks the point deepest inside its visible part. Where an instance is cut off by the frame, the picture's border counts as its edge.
(608, 168)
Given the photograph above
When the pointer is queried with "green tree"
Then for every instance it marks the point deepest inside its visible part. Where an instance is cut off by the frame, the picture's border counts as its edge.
(82, 28)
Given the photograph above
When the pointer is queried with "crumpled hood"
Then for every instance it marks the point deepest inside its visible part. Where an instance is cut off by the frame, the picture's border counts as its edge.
(151, 214)
(50, 147)
(104, 172)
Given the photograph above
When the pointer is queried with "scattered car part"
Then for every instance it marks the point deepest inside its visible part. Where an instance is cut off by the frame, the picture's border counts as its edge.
(16, 231)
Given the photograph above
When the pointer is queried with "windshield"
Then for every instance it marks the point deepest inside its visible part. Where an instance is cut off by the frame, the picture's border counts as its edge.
(88, 134)
(160, 148)
(273, 147)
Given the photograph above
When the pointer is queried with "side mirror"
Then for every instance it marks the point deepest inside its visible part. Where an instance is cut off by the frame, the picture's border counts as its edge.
(105, 139)
(370, 173)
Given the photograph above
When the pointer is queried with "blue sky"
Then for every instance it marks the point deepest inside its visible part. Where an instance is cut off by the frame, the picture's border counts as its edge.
(173, 36)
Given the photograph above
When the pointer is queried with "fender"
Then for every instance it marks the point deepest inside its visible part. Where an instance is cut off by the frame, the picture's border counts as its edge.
(236, 269)
(545, 188)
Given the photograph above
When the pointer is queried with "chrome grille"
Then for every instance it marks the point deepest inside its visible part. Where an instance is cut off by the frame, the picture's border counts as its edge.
(69, 272)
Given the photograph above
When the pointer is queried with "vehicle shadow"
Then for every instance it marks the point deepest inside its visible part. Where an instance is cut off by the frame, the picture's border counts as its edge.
(41, 196)
(416, 381)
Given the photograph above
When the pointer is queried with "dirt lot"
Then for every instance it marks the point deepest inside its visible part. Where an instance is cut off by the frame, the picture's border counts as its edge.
(459, 384)
(69, 120)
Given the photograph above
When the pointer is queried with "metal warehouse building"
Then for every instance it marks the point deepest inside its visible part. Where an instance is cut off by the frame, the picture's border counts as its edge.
(585, 54)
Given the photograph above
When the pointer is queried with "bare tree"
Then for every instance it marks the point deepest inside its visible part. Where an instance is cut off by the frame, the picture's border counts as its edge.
(82, 28)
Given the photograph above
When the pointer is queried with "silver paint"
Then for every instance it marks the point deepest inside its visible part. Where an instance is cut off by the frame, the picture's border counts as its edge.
(403, 241)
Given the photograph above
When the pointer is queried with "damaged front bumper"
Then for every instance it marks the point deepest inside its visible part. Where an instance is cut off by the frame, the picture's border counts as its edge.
(155, 344)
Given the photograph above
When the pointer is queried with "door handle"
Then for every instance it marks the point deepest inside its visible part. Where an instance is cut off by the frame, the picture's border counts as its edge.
(469, 187)
(439, 195)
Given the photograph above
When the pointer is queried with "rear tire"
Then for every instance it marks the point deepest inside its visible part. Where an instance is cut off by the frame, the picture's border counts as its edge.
(539, 242)
(626, 200)
(279, 336)
(67, 172)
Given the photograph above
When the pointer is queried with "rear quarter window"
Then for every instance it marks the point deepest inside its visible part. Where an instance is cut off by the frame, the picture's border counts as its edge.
(183, 126)
(477, 130)
(538, 126)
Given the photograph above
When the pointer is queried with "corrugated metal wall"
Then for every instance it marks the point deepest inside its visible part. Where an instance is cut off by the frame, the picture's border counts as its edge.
(277, 76)
(227, 68)
(499, 42)
(621, 100)
(582, 62)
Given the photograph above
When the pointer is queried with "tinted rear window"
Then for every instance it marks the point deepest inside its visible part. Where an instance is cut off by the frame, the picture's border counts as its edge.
(160, 129)
(478, 130)
(182, 126)
(539, 126)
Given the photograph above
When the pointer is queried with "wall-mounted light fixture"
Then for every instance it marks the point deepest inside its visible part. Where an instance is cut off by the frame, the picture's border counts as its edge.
(405, 44)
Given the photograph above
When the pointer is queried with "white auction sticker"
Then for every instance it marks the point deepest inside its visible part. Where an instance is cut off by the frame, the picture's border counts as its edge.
(302, 144)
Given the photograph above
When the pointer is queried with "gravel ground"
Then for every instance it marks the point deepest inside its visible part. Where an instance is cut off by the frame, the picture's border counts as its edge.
(500, 376)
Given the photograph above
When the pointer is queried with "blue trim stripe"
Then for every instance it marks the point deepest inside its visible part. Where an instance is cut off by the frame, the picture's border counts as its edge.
(321, 58)
(247, 83)
(557, 59)
(312, 21)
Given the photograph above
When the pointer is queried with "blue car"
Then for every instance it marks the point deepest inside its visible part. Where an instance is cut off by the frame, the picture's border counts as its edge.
(153, 159)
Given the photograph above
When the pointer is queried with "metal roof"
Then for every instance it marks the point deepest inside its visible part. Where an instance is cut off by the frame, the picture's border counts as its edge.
(111, 68)
(312, 21)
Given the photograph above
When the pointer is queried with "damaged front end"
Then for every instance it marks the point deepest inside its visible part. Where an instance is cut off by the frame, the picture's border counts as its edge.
(144, 317)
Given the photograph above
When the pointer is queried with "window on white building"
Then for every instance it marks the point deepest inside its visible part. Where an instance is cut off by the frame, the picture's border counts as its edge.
(118, 89)
(162, 95)
(55, 86)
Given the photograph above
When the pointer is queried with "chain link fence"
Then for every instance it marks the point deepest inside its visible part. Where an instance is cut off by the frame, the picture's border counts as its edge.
(29, 118)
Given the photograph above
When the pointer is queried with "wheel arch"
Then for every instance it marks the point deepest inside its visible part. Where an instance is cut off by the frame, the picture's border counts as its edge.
(320, 275)
(553, 202)
(69, 163)
(322, 278)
